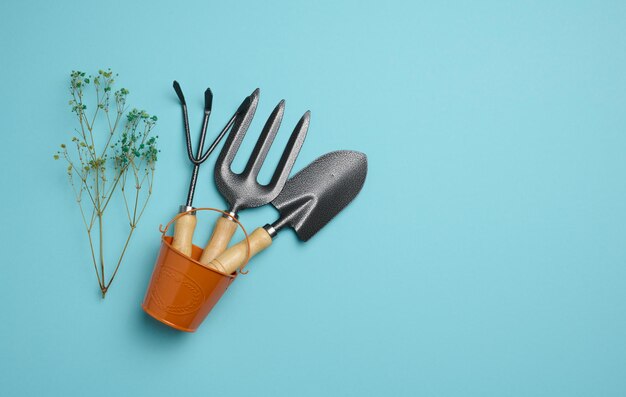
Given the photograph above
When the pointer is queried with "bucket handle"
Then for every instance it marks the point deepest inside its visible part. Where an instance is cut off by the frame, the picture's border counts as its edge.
(164, 230)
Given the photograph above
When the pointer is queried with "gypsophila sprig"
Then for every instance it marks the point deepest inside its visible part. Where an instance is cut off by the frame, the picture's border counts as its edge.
(125, 160)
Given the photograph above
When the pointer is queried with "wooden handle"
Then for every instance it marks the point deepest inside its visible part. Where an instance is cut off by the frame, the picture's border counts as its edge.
(222, 233)
(183, 233)
(234, 257)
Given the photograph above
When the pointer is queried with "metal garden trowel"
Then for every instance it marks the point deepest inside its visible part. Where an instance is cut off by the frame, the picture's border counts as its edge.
(309, 200)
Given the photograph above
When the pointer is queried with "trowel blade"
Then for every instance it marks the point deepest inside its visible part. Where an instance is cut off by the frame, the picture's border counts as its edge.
(316, 194)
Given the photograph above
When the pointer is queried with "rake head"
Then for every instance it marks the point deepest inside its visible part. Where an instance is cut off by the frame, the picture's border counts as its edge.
(201, 157)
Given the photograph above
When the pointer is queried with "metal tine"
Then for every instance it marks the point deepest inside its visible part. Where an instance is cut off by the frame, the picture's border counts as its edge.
(291, 151)
(183, 104)
(240, 110)
(263, 144)
(237, 133)
(208, 103)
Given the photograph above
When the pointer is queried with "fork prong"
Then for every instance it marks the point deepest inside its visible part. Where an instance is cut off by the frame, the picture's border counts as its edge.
(290, 153)
(179, 92)
(208, 103)
(183, 104)
(240, 110)
(263, 144)
(236, 135)
(208, 100)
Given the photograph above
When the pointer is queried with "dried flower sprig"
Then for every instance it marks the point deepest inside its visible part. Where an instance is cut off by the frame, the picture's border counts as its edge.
(127, 160)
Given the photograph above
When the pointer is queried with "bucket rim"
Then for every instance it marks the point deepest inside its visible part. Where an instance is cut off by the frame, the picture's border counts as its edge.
(190, 259)
(193, 210)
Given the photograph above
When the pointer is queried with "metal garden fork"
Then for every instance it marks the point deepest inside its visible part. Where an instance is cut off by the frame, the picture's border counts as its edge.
(242, 190)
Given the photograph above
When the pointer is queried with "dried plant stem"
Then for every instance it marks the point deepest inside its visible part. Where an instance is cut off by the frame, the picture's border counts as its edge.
(133, 153)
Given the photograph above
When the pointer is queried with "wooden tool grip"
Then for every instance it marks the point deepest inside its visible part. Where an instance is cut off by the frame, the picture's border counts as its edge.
(222, 234)
(183, 233)
(234, 257)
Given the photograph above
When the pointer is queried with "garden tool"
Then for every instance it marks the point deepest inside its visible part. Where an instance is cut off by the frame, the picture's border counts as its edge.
(186, 224)
(310, 199)
(242, 190)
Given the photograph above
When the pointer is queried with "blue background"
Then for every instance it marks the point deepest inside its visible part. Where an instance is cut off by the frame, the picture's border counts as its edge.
(485, 255)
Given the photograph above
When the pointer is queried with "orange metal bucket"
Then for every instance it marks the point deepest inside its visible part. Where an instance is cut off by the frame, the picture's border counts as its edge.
(182, 291)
